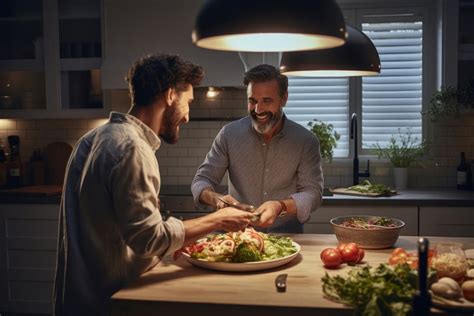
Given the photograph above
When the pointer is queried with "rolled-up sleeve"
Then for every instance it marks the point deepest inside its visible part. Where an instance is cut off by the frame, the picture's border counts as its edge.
(212, 170)
(135, 183)
(310, 181)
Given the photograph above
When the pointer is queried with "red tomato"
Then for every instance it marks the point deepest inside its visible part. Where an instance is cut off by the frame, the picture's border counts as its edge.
(350, 253)
(331, 257)
(361, 255)
(401, 258)
(341, 246)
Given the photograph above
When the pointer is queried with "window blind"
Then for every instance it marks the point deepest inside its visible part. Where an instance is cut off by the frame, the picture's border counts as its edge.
(393, 99)
(325, 99)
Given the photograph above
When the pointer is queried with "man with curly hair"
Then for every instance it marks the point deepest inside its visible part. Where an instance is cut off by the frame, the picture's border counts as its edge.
(111, 230)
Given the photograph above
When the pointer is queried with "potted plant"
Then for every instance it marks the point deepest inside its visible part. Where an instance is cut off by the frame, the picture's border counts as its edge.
(402, 150)
(448, 102)
(327, 136)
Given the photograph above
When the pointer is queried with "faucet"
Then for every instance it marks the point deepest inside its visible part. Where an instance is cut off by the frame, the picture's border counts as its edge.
(355, 165)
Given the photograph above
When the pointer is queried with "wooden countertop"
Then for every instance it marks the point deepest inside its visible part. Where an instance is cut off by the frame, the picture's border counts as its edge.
(179, 287)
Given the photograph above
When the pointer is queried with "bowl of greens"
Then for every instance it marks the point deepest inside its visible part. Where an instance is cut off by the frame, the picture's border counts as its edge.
(367, 231)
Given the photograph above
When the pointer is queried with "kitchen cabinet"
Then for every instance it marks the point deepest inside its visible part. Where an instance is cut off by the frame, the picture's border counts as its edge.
(28, 243)
(51, 67)
(319, 220)
(447, 221)
(136, 28)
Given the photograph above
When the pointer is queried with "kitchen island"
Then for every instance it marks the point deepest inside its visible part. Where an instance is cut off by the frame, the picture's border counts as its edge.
(179, 288)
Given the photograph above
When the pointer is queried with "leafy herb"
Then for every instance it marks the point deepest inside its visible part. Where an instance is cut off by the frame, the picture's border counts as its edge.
(402, 150)
(327, 137)
(367, 187)
(374, 291)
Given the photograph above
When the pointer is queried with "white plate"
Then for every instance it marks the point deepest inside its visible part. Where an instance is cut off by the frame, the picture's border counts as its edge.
(246, 266)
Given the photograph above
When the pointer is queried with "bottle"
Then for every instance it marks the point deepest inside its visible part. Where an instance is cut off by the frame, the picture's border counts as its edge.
(14, 165)
(462, 173)
(3, 167)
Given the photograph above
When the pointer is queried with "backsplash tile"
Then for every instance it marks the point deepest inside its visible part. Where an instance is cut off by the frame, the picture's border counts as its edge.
(178, 163)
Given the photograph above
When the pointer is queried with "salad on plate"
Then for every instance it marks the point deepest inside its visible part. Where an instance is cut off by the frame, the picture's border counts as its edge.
(239, 247)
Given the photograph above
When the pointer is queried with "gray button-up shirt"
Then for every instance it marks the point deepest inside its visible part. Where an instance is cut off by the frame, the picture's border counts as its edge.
(288, 167)
(110, 228)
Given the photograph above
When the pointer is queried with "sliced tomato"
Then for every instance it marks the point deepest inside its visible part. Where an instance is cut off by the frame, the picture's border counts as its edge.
(258, 240)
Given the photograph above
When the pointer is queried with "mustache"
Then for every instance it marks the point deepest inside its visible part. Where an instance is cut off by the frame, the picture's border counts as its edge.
(254, 114)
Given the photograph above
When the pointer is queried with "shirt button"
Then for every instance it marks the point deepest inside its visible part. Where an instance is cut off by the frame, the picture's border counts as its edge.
(264, 193)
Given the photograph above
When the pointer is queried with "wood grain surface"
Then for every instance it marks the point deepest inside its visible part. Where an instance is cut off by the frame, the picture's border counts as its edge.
(177, 287)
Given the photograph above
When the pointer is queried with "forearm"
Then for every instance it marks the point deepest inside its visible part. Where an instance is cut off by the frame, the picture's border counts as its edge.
(198, 227)
(209, 197)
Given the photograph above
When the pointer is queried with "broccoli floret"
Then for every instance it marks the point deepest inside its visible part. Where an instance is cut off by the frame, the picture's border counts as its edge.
(247, 252)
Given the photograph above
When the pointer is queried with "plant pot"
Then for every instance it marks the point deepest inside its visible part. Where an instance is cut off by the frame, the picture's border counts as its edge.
(400, 176)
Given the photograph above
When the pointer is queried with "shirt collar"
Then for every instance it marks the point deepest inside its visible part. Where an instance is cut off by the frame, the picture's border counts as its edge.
(147, 133)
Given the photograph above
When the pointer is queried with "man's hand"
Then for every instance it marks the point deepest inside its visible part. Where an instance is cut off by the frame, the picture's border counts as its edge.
(268, 213)
(228, 198)
(232, 219)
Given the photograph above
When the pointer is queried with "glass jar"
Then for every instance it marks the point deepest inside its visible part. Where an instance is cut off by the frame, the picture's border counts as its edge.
(450, 261)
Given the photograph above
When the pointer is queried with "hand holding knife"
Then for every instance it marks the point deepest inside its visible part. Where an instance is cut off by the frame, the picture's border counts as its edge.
(240, 206)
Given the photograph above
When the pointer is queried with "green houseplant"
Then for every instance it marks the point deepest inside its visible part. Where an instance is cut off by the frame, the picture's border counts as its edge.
(327, 136)
(448, 102)
(402, 150)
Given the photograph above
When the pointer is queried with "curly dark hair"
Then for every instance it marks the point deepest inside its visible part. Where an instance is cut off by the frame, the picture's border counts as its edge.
(152, 75)
(263, 73)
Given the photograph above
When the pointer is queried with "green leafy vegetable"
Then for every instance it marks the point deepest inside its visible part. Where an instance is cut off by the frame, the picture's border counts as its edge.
(247, 252)
(277, 247)
(374, 291)
(367, 187)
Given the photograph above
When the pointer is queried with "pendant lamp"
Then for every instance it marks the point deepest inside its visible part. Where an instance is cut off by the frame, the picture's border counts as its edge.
(269, 25)
(357, 57)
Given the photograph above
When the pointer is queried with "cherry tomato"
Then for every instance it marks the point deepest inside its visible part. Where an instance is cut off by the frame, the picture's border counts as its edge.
(361, 255)
(331, 257)
(350, 254)
(399, 259)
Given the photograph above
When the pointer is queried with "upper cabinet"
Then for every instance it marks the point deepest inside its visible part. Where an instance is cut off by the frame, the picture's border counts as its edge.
(136, 28)
(22, 64)
(50, 61)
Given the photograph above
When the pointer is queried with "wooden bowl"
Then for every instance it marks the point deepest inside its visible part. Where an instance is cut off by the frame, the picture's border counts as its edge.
(366, 238)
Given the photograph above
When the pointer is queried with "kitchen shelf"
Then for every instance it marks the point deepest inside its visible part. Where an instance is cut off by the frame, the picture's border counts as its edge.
(22, 65)
(79, 64)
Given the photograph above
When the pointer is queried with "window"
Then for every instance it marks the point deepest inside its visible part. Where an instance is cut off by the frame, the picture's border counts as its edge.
(385, 103)
(393, 99)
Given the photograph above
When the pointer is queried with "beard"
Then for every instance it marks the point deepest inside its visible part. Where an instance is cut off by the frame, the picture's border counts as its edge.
(273, 119)
(172, 118)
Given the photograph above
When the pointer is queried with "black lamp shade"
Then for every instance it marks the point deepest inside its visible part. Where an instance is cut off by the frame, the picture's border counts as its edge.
(357, 57)
(269, 25)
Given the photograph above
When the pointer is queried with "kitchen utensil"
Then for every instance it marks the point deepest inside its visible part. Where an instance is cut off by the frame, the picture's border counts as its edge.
(422, 299)
(242, 207)
(280, 282)
(382, 238)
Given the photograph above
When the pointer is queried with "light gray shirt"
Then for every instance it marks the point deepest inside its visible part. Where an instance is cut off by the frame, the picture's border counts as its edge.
(110, 230)
(288, 167)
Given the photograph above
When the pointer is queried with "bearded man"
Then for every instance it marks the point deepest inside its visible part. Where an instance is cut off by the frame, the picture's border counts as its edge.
(110, 228)
(272, 162)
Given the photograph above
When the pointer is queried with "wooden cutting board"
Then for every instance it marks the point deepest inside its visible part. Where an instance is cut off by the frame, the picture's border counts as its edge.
(37, 190)
(347, 191)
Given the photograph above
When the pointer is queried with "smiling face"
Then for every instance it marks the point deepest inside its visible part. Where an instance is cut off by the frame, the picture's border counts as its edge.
(176, 114)
(265, 105)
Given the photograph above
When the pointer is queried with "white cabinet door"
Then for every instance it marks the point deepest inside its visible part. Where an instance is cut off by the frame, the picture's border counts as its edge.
(319, 221)
(135, 28)
(28, 257)
(447, 221)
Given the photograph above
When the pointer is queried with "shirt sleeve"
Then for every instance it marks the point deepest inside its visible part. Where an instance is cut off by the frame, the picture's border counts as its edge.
(310, 181)
(135, 183)
(212, 170)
